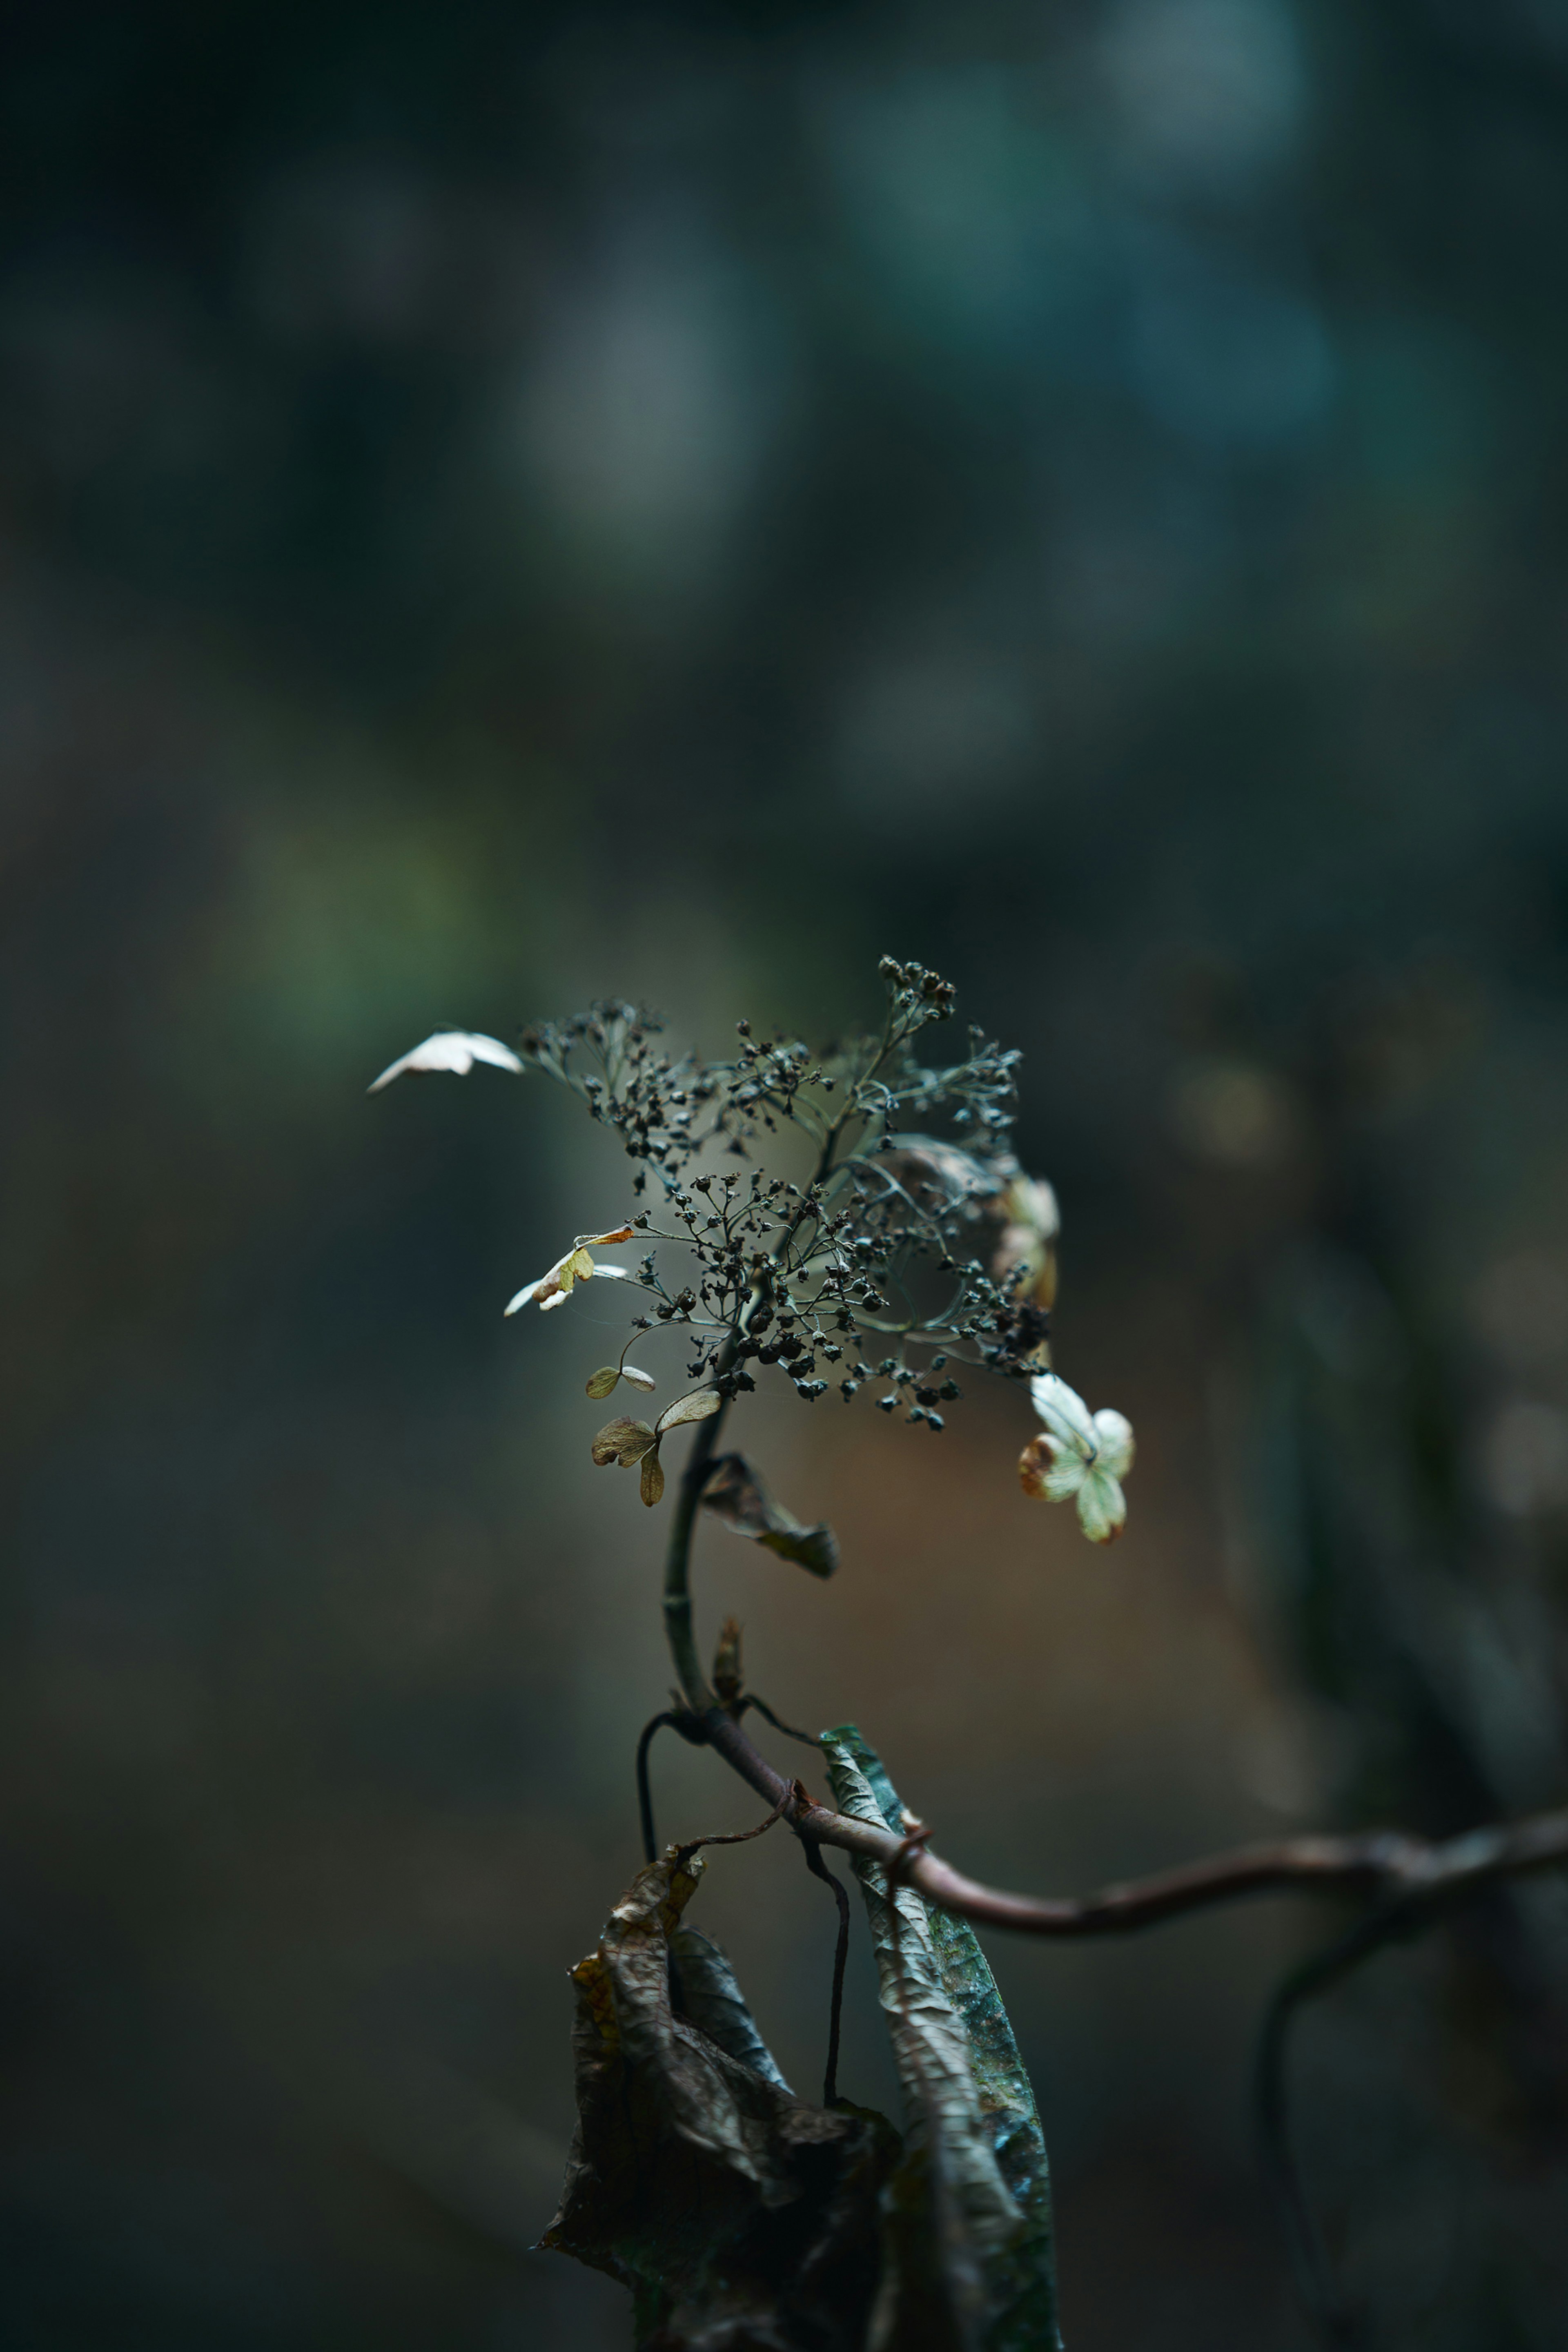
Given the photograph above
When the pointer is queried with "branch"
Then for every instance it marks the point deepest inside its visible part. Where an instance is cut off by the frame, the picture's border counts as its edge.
(1315, 2282)
(1378, 1861)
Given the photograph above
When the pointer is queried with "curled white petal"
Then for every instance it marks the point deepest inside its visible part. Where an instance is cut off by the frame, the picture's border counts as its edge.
(452, 1050)
(644, 1380)
(529, 1291)
(611, 1272)
(1065, 1414)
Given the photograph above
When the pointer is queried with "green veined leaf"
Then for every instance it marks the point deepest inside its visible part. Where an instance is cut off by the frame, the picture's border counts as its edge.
(985, 2189)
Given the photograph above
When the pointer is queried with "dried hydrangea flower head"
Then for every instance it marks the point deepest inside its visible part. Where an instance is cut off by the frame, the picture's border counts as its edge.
(906, 1244)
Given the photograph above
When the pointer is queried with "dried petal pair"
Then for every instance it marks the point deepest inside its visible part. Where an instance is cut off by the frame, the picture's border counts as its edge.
(628, 1441)
(576, 1267)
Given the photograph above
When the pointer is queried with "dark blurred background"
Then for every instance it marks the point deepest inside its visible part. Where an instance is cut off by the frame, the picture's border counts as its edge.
(502, 505)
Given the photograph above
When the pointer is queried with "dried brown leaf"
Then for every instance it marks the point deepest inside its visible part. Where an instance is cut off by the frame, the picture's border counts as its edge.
(653, 1477)
(736, 2213)
(736, 1493)
(601, 1382)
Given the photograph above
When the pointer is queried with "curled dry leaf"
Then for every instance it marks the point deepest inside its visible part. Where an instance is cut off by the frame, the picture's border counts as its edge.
(705, 1989)
(593, 1241)
(735, 2212)
(736, 1493)
(643, 1380)
(452, 1050)
(698, 1405)
(652, 1487)
(623, 1441)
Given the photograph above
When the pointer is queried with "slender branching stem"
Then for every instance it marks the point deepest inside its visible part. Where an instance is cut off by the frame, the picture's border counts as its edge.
(819, 1869)
(1315, 2282)
(644, 1793)
(679, 1631)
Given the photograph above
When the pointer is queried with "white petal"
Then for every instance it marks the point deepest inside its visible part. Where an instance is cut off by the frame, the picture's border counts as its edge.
(1102, 1506)
(1064, 1413)
(1114, 1432)
(491, 1050)
(611, 1272)
(452, 1050)
(528, 1291)
(638, 1379)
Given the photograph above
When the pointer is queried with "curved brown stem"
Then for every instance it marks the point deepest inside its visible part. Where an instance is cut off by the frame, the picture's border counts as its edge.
(1380, 1862)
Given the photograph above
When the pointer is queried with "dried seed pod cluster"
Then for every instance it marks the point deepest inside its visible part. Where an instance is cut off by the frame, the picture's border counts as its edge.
(908, 1242)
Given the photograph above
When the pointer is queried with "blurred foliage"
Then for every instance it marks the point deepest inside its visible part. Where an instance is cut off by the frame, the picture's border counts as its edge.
(501, 506)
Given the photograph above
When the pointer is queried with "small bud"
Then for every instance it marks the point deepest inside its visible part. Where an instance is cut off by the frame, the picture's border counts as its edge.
(728, 1680)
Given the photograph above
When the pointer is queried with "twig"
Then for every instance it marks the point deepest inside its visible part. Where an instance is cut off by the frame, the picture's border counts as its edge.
(807, 1739)
(676, 1719)
(730, 1837)
(818, 1868)
(1315, 2283)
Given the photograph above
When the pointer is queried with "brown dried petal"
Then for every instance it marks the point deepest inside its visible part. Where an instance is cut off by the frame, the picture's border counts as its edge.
(698, 1406)
(1034, 1464)
(623, 1441)
(653, 1477)
(591, 1241)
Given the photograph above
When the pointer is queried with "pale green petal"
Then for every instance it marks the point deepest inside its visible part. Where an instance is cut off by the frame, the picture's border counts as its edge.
(1102, 1506)
(1065, 1477)
(1114, 1432)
